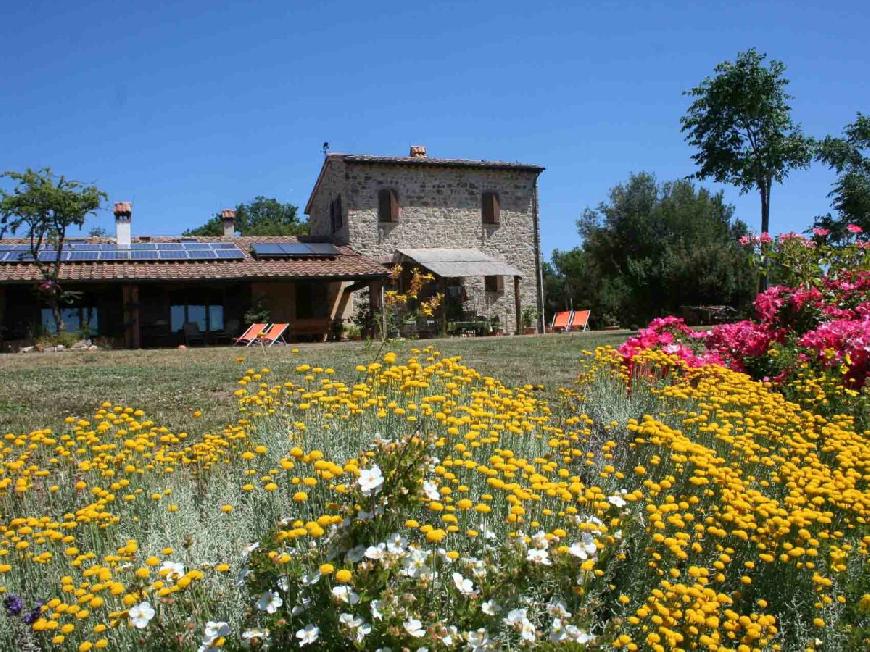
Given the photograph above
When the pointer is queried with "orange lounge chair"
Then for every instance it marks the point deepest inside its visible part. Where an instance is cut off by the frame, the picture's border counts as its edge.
(562, 321)
(274, 335)
(581, 320)
(250, 336)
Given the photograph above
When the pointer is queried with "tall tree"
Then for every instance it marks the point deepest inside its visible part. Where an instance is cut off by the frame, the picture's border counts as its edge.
(651, 249)
(44, 206)
(741, 127)
(847, 156)
(261, 216)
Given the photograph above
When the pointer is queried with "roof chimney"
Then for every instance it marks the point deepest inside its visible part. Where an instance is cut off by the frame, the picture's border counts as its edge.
(418, 151)
(123, 216)
(228, 217)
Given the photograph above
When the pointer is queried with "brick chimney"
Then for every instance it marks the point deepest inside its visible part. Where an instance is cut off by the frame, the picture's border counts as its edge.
(418, 151)
(123, 216)
(228, 217)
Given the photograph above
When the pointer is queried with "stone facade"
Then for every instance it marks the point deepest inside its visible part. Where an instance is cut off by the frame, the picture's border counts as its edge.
(440, 206)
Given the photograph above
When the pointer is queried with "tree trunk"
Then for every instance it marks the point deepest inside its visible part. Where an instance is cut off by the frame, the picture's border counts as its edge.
(58, 317)
(765, 228)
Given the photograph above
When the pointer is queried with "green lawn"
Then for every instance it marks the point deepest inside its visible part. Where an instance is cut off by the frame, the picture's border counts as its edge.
(40, 389)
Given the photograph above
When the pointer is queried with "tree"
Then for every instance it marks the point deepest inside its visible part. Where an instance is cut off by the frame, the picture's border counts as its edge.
(740, 124)
(262, 216)
(44, 207)
(847, 156)
(651, 249)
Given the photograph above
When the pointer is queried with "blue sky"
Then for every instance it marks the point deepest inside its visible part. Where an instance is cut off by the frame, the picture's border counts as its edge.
(188, 107)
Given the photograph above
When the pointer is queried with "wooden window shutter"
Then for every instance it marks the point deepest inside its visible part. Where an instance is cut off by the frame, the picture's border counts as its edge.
(388, 205)
(491, 208)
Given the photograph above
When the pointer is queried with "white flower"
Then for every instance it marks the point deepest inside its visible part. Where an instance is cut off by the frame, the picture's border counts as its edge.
(478, 640)
(355, 554)
(585, 548)
(344, 593)
(415, 628)
(284, 583)
(362, 631)
(515, 617)
(298, 609)
(307, 635)
(464, 586)
(176, 569)
(490, 608)
(557, 609)
(269, 602)
(527, 632)
(537, 556)
(310, 578)
(350, 621)
(431, 490)
(141, 614)
(396, 544)
(247, 550)
(214, 630)
(375, 606)
(618, 499)
(248, 634)
(577, 635)
(370, 480)
(540, 540)
(376, 552)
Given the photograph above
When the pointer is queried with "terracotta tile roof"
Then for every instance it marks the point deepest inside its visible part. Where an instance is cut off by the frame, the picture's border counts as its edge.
(419, 161)
(347, 265)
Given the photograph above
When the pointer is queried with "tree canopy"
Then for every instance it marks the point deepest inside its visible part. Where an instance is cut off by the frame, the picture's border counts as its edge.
(261, 216)
(43, 206)
(650, 249)
(741, 127)
(847, 156)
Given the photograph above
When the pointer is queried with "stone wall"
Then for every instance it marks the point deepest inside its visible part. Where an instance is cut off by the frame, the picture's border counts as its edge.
(440, 206)
(331, 185)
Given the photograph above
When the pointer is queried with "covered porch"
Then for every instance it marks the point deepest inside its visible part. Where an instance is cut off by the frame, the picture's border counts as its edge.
(482, 295)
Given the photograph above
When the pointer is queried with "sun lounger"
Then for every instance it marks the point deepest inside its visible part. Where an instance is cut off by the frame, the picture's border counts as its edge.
(250, 336)
(581, 320)
(274, 335)
(562, 321)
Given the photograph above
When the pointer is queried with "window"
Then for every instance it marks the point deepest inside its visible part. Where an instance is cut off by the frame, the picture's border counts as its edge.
(388, 205)
(200, 307)
(311, 301)
(83, 319)
(493, 283)
(490, 208)
(336, 219)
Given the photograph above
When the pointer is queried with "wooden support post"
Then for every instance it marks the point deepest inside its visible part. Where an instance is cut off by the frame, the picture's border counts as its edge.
(376, 303)
(132, 327)
(517, 306)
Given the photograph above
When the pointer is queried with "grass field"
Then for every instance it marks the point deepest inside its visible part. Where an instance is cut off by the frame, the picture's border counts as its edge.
(39, 390)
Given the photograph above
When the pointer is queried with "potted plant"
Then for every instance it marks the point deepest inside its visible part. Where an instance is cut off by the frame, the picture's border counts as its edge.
(528, 317)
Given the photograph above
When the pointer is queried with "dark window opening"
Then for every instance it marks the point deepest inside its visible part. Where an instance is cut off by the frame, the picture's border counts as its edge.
(493, 283)
(311, 301)
(336, 218)
(490, 208)
(196, 307)
(388, 205)
(76, 319)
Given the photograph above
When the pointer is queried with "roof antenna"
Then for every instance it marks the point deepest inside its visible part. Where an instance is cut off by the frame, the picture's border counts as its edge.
(325, 148)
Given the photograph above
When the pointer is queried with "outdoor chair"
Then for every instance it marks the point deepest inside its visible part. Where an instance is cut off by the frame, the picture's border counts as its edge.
(581, 320)
(192, 333)
(250, 335)
(274, 335)
(563, 321)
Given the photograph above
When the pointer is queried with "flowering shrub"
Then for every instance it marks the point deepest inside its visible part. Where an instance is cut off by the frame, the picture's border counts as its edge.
(422, 505)
(813, 334)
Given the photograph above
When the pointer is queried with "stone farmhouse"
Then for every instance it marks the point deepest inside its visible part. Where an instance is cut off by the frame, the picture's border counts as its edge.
(473, 224)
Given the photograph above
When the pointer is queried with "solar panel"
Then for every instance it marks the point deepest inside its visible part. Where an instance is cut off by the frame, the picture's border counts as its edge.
(230, 254)
(267, 249)
(173, 255)
(323, 248)
(80, 252)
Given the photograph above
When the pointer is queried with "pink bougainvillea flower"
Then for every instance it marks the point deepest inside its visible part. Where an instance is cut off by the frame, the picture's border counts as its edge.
(854, 228)
(821, 231)
(765, 238)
